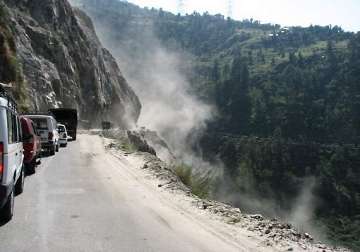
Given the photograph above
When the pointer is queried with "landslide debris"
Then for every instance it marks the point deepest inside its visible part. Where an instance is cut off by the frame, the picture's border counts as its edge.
(275, 233)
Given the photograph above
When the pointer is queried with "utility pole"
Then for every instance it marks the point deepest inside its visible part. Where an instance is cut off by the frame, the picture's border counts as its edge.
(230, 8)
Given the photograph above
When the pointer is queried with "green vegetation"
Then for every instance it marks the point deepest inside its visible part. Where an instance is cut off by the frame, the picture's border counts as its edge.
(127, 146)
(344, 230)
(199, 184)
(277, 169)
(184, 173)
(122, 143)
(10, 69)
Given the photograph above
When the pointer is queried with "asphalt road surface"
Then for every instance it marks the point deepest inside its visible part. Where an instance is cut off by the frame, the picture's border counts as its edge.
(84, 199)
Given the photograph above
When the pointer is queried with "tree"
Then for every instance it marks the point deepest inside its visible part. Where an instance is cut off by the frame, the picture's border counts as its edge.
(331, 57)
(215, 72)
(239, 100)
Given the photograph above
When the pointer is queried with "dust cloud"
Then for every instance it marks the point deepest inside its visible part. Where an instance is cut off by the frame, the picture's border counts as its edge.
(158, 76)
(299, 211)
(302, 214)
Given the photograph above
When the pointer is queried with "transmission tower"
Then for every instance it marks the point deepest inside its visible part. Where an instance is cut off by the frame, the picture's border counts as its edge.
(181, 6)
(230, 8)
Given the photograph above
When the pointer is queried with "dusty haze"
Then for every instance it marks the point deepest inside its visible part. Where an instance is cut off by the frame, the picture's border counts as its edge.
(158, 78)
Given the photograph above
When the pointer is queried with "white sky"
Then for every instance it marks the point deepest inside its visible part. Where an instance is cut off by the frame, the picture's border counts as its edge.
(345, 13)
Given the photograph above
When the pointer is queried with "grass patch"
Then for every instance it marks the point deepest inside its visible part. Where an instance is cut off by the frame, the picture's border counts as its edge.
(120, 142)
(124, 144)
(127, 146)
(184, 173)
(199, 184)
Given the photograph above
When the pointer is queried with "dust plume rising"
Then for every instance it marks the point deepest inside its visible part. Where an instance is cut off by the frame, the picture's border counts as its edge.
(158, 74)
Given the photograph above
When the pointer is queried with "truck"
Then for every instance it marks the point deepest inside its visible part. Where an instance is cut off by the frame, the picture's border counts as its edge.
(68, 117)
(106, 125)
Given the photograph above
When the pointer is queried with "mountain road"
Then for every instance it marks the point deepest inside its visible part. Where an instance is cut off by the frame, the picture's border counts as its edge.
(85, 199)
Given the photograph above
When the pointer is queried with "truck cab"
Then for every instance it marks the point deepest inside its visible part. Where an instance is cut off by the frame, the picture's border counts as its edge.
(67, 117)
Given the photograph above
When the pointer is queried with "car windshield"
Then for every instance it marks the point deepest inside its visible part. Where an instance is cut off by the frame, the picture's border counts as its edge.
(61, 128)
(40, 123)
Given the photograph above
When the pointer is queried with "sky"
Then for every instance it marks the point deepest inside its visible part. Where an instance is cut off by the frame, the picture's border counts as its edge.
(345, 13)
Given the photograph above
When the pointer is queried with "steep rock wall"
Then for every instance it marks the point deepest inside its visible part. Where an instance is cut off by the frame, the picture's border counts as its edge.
(64, 64)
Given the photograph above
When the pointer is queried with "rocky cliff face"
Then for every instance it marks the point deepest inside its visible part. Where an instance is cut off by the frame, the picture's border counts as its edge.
(64, 64)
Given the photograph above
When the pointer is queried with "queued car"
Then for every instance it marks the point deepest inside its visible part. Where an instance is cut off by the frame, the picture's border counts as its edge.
(12, 174)
(46, 126)
(63, 135)
(67, 117)
(31, 143)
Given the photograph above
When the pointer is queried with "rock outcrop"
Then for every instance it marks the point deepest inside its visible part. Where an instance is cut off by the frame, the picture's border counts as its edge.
(64, 64)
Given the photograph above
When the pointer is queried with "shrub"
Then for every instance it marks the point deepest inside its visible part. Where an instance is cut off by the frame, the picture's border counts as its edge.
(199, 184)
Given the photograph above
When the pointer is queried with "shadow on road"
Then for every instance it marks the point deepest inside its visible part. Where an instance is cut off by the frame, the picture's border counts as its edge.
(3, 223)
(46, 154)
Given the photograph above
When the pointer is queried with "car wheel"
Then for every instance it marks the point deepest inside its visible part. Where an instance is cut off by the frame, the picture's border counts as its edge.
(30, 169)
(7, 211)
(52, 151)
(19, 186)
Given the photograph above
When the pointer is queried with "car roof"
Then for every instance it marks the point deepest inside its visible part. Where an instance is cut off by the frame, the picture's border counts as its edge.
(22, 117)
(40, 116)
(3, 102)
(61, 125)
(27, 122)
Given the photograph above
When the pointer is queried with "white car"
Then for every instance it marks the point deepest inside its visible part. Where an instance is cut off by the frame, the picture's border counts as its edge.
(63, 136)
(11, 156)
(46, 126)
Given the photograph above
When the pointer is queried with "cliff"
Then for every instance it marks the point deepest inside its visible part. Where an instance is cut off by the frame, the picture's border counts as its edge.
(65, 65)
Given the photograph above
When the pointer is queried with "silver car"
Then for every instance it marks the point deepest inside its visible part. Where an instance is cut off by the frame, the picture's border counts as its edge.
(47, 127)
(63, 136)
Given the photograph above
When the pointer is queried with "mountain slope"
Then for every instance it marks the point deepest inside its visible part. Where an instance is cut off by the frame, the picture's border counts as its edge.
(64, 64)
(289, 74)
